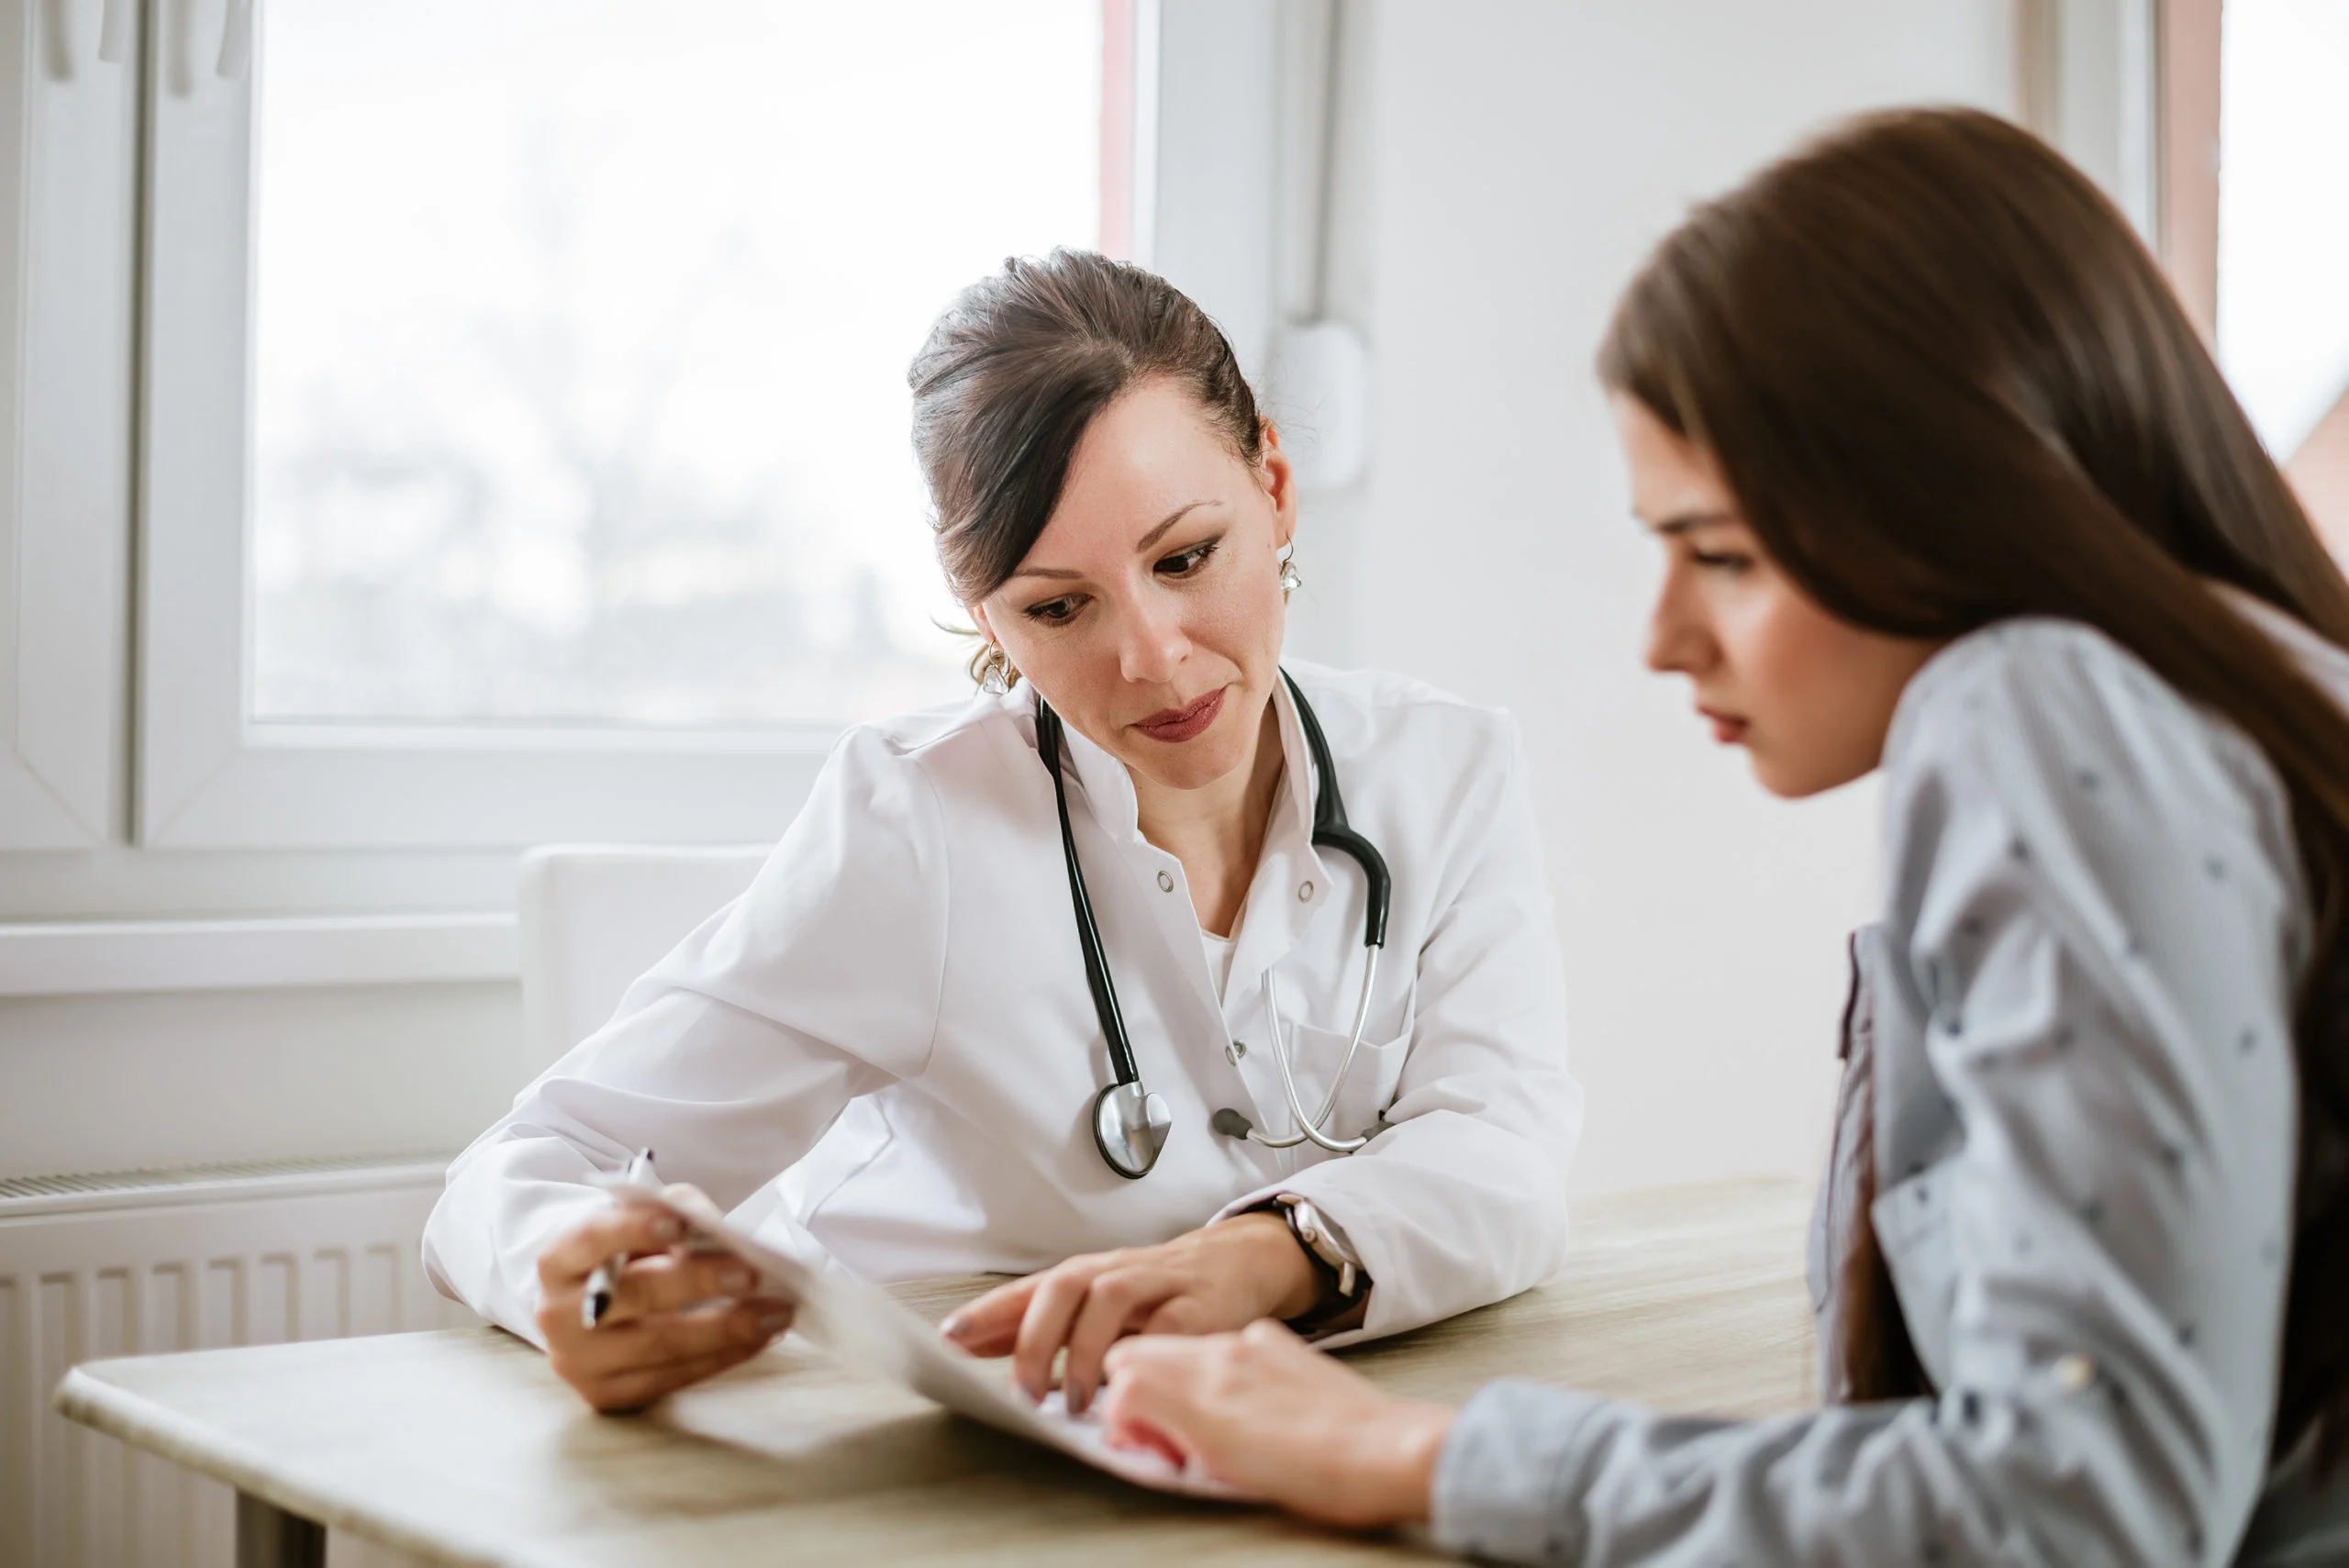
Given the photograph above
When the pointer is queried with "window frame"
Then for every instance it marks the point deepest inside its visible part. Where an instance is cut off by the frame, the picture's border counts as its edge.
(68, 197)
(208, 776)
(2129, 91)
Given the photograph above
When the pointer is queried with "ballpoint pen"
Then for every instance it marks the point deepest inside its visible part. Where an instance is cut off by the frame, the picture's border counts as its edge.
(597, 1300)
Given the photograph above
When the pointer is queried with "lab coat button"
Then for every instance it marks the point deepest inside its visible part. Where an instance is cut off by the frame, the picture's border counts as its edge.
(1165, 883)
(1235, 1051)
(1304, 891)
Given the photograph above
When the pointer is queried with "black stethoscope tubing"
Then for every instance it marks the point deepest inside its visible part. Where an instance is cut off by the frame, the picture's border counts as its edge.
(1088, 935)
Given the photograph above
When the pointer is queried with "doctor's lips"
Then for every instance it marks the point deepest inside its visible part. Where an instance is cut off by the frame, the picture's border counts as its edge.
(1728, 728)
(1184, 723)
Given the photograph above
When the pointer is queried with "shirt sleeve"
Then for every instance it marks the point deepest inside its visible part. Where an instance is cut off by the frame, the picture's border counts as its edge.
(2097, 906)
(734, 1054)
(1461, 1201)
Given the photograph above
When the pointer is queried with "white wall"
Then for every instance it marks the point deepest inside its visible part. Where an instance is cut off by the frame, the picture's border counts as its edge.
(1519, 157)
(144, 1080)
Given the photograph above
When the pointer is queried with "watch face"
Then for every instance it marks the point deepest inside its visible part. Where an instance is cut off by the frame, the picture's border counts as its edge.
(1342, 1277)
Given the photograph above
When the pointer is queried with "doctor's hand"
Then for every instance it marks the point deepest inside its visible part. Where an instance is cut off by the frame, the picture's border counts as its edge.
(1268, 1412)
(676, 1318)
(1220, 1276)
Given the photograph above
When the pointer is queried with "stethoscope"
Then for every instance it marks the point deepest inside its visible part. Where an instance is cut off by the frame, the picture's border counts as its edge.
(1130, 1123)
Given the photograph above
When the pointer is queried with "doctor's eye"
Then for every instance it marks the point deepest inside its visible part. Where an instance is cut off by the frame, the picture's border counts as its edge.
(1186, 563)
(1055, 612)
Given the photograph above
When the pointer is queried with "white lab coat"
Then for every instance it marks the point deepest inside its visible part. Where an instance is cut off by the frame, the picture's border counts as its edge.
(893, 1021)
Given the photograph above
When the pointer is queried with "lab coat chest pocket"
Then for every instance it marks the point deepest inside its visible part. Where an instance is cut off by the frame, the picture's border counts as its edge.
(1369, 1087)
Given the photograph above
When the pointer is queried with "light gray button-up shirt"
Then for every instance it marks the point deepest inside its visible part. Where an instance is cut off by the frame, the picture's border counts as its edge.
(2073, 1025)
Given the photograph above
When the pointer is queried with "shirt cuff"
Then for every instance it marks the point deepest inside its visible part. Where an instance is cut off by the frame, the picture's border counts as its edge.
(1502, 1479)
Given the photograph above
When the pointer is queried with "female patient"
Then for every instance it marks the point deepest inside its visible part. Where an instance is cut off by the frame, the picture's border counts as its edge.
(1946, 485)
(899, 1020)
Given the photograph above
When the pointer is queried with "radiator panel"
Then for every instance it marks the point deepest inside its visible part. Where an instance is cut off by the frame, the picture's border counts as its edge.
(90, 1273)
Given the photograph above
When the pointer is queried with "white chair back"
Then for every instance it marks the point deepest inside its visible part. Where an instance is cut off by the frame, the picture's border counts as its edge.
(594, 916)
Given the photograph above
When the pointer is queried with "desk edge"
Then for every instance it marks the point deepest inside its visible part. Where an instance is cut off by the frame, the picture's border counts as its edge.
(206, 1450)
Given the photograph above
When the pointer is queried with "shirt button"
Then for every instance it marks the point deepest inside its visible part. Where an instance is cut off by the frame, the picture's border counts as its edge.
(2073, 1372)
(1236, 1050)
(1304, 891)
(1165, 883)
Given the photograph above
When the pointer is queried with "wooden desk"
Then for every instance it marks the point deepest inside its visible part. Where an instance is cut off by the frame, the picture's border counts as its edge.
(459, 1446)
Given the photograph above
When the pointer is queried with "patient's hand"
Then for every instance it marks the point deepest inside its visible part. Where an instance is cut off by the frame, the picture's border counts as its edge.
(676, 1318)
(1216, 1278)
(1268, 1412)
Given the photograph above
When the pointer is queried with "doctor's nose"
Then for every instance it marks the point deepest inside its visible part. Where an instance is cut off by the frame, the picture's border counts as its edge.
(1150, 647)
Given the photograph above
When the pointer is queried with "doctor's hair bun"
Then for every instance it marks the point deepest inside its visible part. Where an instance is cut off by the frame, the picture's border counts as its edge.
(1017, 368)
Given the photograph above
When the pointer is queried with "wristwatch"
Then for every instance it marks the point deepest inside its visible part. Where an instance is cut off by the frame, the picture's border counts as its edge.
(1344, 1287)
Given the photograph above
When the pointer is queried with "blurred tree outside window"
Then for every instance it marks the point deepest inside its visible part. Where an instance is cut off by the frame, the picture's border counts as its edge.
(582, 329)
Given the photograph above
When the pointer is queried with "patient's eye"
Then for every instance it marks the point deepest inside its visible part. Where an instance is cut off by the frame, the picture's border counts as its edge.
(1729, 562)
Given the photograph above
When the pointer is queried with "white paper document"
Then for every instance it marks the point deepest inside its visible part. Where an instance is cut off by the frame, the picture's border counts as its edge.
(866, 1328)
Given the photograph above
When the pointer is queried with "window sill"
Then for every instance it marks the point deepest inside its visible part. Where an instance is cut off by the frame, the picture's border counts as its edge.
(106, 956)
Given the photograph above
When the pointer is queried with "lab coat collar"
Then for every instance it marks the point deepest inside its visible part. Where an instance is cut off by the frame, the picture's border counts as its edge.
(1107, 789)
(1296, 758)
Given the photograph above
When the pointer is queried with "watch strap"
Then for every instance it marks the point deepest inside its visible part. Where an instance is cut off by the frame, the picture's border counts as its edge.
(1345, 1288)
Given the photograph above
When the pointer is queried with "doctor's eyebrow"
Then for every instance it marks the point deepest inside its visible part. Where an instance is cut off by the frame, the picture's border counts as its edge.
(1149, 540)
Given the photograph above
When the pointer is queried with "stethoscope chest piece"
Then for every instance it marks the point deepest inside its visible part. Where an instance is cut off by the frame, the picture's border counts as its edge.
(1130, 1124)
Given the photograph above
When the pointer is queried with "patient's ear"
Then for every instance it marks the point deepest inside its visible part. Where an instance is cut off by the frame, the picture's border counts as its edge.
(979, 618)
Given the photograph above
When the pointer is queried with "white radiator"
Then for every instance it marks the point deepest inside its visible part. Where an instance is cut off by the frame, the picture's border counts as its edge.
(137, 1265)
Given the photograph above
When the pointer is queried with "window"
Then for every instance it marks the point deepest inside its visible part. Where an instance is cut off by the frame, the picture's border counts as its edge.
(2283, 238)
(2221, 131)
(525, 442)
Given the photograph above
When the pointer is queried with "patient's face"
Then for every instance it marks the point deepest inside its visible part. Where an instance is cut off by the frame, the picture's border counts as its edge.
(1809, 696)
(1150, 614)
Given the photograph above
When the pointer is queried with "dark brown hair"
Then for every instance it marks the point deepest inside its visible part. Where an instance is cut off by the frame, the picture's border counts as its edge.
(1948, 385)
(1017, 368)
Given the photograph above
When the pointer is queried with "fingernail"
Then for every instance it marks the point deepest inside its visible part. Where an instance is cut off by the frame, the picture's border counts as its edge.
(955, 1325)
(775, 1322)
(736, 1281)
(668, 1228)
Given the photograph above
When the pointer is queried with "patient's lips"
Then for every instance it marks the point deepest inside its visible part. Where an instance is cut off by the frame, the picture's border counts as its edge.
(1178, 723)
(1728, 728)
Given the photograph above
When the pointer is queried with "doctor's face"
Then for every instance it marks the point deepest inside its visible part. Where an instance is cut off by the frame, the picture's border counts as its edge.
(1809, 696)
(1149, 612)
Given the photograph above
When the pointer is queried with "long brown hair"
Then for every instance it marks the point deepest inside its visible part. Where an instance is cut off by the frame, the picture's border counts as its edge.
(1947, 386)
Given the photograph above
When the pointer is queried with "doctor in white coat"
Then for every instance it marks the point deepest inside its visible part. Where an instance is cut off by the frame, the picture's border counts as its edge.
(890, 1042)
